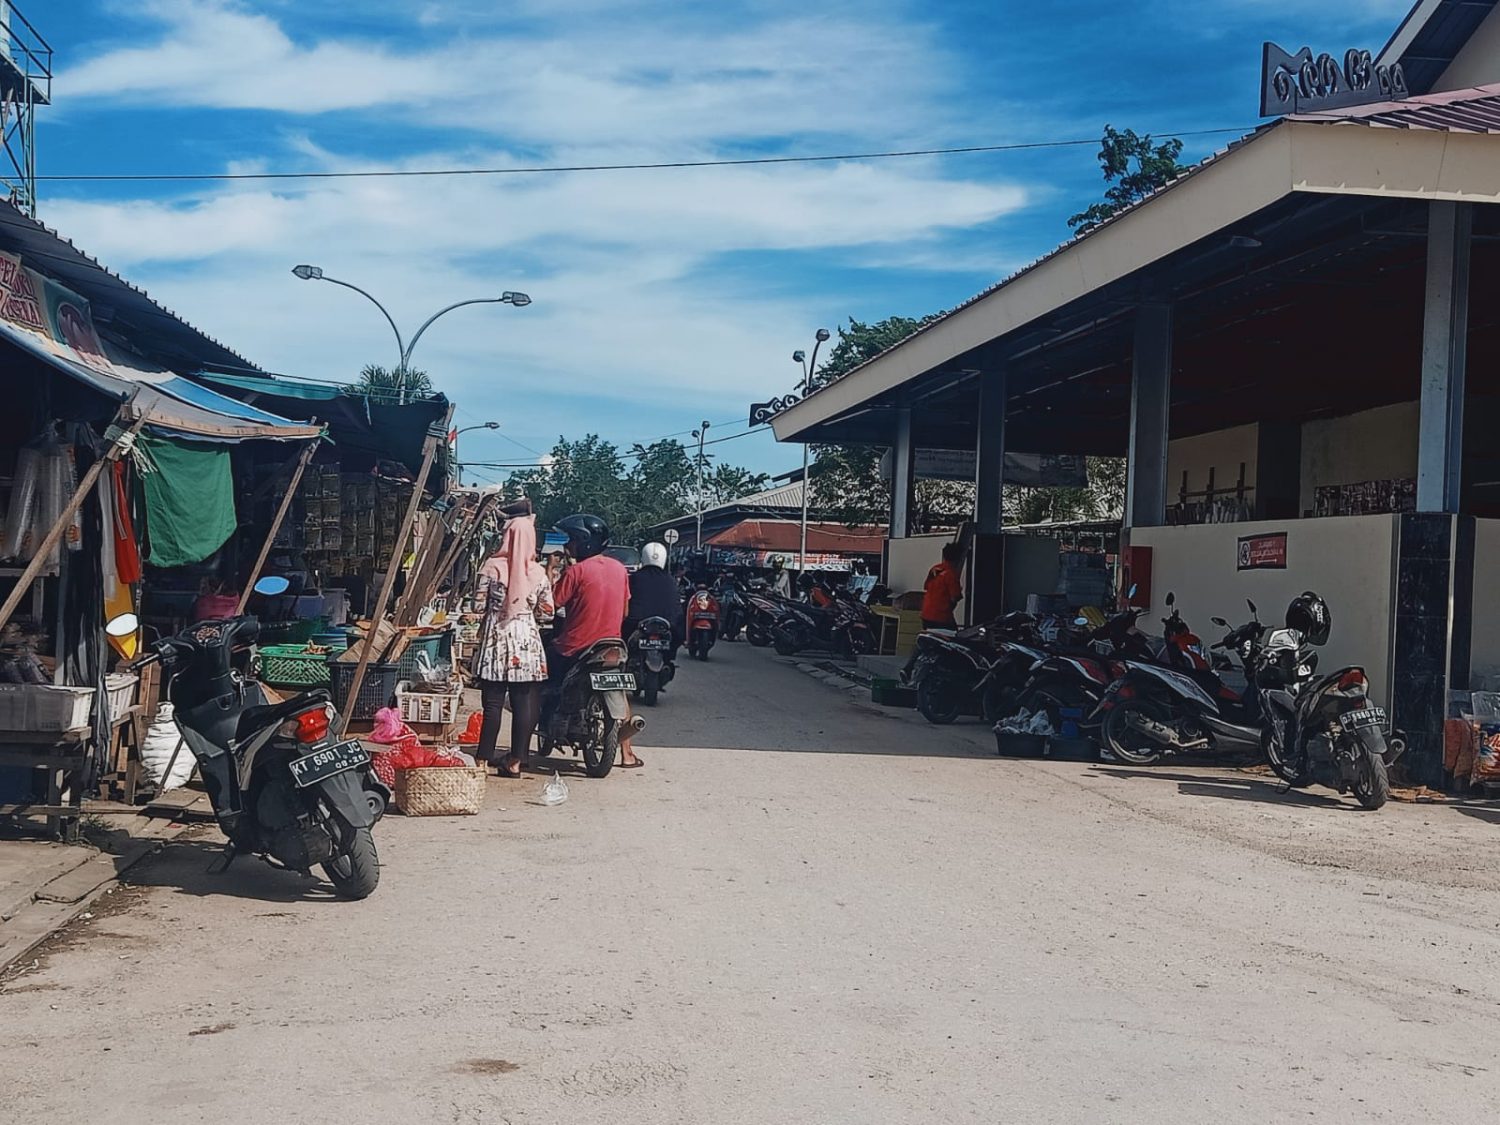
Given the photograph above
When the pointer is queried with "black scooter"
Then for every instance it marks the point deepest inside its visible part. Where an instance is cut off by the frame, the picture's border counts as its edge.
(988, 663)
(1323, 733)
(651, 660)
(591, 705)
(283, 785)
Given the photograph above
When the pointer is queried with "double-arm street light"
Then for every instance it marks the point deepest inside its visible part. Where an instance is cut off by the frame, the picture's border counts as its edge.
(799, 356)
(315, 273)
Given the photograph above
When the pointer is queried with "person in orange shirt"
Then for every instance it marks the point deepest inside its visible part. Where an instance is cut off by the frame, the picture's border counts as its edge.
(943, 590)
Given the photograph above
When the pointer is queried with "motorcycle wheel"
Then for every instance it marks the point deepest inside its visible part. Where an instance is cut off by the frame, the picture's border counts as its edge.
(939, 701)
(652, 685)
(1126, 743)
(786, 644)
(1372, 782)
(356, 873)
(603, 742)
(757, 635)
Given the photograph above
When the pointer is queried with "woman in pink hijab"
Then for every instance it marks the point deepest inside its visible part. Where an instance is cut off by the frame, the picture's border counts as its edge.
(513, 589)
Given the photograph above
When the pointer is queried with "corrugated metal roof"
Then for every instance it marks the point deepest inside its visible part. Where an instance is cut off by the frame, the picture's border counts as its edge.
(1431, 36)
(149, 325)
(1475, 110)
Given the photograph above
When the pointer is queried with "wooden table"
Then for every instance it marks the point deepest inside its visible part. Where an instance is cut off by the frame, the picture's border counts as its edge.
(64, 755)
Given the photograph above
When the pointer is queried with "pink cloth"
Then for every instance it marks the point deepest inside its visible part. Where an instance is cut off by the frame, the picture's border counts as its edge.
(515, 566)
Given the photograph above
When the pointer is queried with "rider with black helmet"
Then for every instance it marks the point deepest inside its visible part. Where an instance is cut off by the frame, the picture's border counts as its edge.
(595, 594)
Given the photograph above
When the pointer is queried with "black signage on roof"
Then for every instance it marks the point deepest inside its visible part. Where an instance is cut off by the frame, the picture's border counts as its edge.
(1301, 83)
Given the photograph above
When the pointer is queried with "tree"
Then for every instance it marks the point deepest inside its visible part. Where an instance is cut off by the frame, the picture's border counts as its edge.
(1154, 166)
(659, 484)
(400, 385)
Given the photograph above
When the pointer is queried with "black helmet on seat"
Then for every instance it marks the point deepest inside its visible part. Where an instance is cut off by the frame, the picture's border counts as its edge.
(1309, 615)
(587, 535)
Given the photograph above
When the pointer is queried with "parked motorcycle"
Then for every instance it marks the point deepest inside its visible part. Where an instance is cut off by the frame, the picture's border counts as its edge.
(733, 612)
(702, 622)
(1325, 732)
(591, 705)
(283, 785)
(842, 627)
(763, 609)
(650, 660)
(985, 665)
(1180, 704)
(1076, 672)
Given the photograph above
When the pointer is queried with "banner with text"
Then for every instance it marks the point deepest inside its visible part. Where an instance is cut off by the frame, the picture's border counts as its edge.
(52, 311)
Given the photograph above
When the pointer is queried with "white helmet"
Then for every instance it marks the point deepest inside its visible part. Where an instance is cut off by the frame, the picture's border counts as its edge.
(654, 554)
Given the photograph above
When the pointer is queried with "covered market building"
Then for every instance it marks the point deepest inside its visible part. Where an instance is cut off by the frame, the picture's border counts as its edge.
(1295, 344)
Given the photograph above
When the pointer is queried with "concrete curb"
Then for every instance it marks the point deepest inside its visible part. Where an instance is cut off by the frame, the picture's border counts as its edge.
(66, 895)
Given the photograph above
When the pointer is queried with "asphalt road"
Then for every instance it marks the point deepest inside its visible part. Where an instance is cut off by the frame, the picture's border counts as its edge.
(803, 910)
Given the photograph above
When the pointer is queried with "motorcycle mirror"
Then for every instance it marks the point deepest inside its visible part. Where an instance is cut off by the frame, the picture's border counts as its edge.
(1253, 611)
(272, 585)
(1220, 622)
(1130, 593)
(1171, 600)
(125, 625)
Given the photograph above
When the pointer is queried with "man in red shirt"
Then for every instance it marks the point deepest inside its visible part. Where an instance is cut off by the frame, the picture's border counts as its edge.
(595, 593)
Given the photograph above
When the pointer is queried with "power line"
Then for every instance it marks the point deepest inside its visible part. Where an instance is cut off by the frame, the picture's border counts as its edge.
(546, 169)
(631, 455)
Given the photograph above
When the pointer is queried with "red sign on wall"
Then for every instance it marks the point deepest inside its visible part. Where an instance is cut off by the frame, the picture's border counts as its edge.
(1263, 552)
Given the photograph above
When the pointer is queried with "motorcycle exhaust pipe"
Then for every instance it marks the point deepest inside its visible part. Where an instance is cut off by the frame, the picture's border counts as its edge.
(1163, 735)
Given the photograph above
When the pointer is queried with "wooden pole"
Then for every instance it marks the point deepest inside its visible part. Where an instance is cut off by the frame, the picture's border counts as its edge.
(281, 511)
(366, 652)
(434, 535)
(39, 560)
(460, 543)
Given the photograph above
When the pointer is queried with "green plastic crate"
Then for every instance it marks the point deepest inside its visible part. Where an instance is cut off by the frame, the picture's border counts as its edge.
(293, 666)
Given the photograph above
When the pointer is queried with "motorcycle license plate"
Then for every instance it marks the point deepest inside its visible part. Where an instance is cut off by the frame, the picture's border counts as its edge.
(612, 681)
(323, 764)
(654, 644)
(1369, 717)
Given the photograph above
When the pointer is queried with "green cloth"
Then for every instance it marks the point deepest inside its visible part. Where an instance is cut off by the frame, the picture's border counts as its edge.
(189, 499)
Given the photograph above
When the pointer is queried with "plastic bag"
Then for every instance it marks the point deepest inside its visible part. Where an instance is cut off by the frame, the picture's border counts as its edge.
(555, 792)
(470, 735)
(157, 750)
(1024, 722)
(23, 496)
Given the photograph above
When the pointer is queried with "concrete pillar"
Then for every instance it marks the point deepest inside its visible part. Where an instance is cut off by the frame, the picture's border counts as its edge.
(903, 475)
(1150, 408)
(990, 461)
(1445, 333)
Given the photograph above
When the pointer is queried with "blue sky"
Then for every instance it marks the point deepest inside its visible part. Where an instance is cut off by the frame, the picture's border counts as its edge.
(661, 297)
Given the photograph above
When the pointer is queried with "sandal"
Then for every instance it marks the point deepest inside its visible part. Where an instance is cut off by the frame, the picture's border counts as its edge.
(509, 766)
(635, 765)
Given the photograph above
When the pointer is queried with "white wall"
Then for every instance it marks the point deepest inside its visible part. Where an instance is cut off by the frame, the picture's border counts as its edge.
(1484, 647)
(1349, 561)
(1478, 63)
(1379, 444)
(1223, 451)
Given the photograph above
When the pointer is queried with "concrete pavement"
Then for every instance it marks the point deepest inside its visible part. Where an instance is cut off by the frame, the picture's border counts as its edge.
(803, 910)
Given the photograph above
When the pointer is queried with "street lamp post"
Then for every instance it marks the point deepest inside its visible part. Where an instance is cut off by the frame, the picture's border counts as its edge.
(807, 373)
(457, 465)
(315, 273)
(702, 435)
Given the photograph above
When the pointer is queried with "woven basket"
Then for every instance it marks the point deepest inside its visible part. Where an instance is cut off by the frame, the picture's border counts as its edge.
(441, 790)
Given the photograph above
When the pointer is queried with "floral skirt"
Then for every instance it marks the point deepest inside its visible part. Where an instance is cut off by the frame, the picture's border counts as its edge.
(510, 651)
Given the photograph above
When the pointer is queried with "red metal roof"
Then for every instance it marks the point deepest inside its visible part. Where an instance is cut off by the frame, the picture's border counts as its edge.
(1475, 110)
(786, 535)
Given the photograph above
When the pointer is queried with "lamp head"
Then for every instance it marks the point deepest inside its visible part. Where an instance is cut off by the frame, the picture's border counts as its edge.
(799, 356)
(821, 336)
(492, 425)
(520, 300)
(308, 273)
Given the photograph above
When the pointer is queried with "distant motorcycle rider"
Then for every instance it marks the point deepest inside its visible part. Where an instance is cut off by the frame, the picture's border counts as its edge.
(595, 594)
(654, 593)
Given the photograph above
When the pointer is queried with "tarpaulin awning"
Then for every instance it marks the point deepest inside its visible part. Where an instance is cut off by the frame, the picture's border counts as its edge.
(361, 428)
(170, 403)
